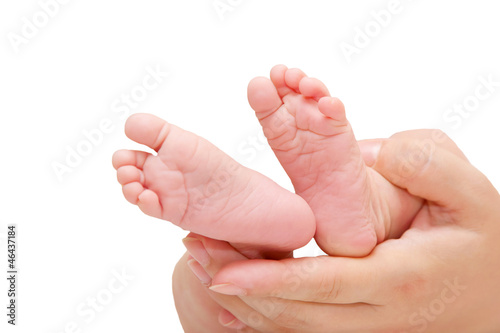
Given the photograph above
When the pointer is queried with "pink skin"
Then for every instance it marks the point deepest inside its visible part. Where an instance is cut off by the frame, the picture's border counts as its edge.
(199, 188)
(194, 185)
(440, 276)
(197, 310)
(311, 137)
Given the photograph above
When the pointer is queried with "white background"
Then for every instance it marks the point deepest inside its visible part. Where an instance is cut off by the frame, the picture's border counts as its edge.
(64, 80)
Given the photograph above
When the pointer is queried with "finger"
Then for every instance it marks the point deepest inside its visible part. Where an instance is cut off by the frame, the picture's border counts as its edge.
(208, 256)
(227, 319)
(336, 280)
(279, 315)
(297, 316)
(427, 170)
(276, 311)
(245, 315)
(210, 253)
(270, 314)
(438, 137)
(371, 147)
(320, 279)
(263, 314)
(201, 306)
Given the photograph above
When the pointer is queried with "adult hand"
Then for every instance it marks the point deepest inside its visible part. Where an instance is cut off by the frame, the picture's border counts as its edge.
(196, 310)
(442, 275)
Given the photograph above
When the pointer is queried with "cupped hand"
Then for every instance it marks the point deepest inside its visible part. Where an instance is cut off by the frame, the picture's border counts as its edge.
(442, 275)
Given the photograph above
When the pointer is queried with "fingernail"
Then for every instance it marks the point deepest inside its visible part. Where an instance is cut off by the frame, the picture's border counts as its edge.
(200, 272)
(197, 250)
(227, 319)
(228, 289)
(370, 150)
(227, 323)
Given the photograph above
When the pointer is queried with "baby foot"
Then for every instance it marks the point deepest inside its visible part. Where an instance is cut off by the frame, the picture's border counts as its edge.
(194, 185)
(310, 135)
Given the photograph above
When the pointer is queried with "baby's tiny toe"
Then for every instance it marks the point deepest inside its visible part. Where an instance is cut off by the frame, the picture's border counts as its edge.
(128, 174)
(278, 78)
(120, 158)
(333, 108)
(132, 191)
(293, 77)
(149, 203)
(313, 88)
(263, 97)
(129, 157)
(147, 129)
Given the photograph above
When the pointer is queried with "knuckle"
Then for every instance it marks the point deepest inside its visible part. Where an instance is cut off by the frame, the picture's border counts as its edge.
(329, 288)
(417, 155)
(287, 315)
(279, 313)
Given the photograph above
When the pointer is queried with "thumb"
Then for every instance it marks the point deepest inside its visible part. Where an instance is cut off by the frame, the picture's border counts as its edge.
(431, 170)
(370, 148)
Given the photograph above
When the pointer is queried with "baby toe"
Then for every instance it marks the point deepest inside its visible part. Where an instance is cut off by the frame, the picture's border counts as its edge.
(149, 203)
(129, 157)
(129, 174)
(333, 108)
(313, 88)
(293, 77)
(263, 97)
(132, 191)
(147, 129)
(278, 78)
